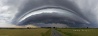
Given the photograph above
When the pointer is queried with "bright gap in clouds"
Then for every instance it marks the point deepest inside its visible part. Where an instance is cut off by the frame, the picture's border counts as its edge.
(5, 7)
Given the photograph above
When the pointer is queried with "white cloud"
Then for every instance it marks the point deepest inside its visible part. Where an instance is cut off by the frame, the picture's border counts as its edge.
(89, 9)
(8, 10)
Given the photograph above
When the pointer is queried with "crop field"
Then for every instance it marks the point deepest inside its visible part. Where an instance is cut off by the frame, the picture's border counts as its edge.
(78, 31)
(25, 32)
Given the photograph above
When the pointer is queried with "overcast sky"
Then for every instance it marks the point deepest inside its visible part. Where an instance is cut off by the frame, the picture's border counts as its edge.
(11, 10)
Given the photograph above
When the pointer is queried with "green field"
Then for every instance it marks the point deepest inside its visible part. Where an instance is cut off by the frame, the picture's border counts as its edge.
(78, 32)
(47, 32)
(25, 32)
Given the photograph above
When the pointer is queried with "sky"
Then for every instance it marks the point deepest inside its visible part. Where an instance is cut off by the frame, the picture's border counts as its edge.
(22, 11)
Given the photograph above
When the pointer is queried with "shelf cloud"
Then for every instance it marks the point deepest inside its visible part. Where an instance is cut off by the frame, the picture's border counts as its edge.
(73, 13)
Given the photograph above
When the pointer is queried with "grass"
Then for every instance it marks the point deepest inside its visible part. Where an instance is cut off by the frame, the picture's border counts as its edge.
(48, 33)
(78, 32)
(23, 32)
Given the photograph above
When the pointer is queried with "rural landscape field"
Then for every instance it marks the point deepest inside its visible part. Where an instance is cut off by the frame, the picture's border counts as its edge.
(48, 17)
(79, 32)
(49, 32)
(24, 32)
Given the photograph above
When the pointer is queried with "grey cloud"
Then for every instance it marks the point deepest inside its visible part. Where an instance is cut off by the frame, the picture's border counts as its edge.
(32, 4)
(82, 9)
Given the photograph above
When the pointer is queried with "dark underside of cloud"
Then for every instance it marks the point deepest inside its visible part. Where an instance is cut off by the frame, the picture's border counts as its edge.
(48, 18)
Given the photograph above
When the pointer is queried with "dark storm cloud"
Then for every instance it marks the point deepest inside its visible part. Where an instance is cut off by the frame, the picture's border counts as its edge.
(32, 4)
(47, 18)
(44, 17)
(86, 10)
